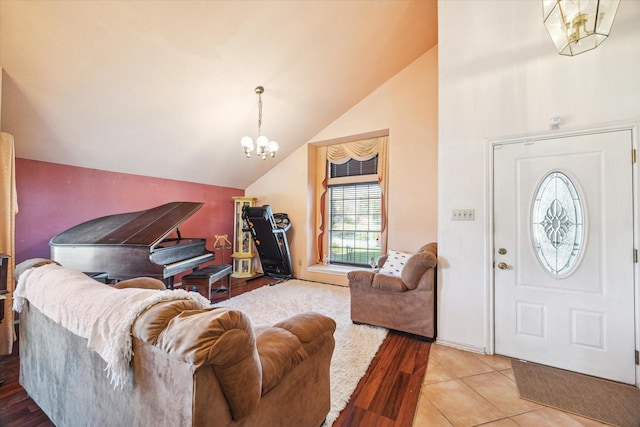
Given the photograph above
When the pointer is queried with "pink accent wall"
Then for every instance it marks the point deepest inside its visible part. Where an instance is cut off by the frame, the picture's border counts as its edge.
(54, 197)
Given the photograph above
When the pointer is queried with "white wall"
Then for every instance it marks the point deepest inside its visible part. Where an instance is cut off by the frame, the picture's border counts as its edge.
(500, 75)
(407, 106)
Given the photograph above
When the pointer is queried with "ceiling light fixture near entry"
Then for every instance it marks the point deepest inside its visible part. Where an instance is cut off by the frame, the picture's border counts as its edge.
(576, 26)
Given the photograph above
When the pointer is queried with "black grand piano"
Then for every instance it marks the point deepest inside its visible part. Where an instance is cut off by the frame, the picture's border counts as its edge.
(128, 245)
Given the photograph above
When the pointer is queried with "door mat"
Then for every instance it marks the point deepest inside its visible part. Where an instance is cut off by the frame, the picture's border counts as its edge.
(596, 398)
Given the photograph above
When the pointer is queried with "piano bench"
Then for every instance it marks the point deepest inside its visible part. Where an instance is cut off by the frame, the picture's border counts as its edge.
(205, 277)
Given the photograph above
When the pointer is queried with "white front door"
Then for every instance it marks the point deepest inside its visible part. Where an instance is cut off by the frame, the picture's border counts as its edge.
(563, 237)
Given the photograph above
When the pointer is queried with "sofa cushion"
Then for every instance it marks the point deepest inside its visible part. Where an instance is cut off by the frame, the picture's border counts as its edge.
(385, 282)
(371, 279)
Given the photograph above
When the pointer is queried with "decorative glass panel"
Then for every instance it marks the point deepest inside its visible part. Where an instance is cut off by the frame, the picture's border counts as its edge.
(557, 224)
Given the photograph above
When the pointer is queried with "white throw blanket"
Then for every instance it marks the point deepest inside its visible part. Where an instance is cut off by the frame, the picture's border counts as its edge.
(92, 310)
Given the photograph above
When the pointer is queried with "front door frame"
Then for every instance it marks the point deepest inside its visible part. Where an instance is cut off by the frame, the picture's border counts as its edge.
(490, 144)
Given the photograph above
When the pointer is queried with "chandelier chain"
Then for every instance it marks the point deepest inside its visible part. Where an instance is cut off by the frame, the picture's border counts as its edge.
(259, 113)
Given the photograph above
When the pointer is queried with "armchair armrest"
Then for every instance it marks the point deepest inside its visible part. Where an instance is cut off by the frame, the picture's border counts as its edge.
(416, 267)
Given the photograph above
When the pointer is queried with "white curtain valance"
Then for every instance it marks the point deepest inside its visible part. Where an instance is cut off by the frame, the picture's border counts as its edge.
(358, 150)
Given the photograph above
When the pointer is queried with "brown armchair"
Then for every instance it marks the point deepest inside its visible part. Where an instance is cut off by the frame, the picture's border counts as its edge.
(406, 303)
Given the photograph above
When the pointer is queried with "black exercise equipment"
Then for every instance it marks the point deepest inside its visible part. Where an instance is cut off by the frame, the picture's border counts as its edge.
(268, 231)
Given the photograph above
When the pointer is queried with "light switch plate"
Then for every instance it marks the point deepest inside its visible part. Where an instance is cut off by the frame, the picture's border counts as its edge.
(463, 215)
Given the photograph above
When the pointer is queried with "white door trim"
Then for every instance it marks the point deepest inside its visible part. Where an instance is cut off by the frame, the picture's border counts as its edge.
(490, 144)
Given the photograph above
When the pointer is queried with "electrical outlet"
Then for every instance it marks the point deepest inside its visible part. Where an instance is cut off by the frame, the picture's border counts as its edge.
(463, 215)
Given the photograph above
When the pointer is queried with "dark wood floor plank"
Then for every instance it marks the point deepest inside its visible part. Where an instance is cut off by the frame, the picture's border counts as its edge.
(351, 416)
(374, 391)
(374, 420)
(370, 383)
(388, 378)
(396, 396)
(411, 396)
(409, 353)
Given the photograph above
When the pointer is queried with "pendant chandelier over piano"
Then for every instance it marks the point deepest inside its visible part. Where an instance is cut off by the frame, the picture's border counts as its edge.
(263, 146)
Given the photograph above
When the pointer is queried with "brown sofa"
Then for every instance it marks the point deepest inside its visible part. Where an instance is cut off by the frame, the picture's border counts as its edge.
(406, 303)
(191, 366)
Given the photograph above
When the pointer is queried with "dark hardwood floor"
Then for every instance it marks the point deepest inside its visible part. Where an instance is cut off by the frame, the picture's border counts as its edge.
(386, 396)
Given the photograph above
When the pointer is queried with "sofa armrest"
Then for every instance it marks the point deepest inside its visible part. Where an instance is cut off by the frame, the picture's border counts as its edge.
(142, 283)
(289, 342)
(312, 329)
(361, 278)
(417, 266)
(308, 326)
(382, 260)
(222, 338)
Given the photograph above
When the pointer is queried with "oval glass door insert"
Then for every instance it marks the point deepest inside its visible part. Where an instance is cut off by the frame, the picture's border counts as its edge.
(557, 224)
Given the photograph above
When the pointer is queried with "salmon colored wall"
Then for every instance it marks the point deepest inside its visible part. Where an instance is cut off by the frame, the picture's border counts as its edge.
(407, 106)
(54, 197)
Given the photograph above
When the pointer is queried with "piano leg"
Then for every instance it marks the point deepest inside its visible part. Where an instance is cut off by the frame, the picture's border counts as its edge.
(169, 281)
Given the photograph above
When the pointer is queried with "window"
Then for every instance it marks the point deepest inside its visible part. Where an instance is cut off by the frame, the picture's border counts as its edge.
(355, 213)
(557, 224)
(351, 201)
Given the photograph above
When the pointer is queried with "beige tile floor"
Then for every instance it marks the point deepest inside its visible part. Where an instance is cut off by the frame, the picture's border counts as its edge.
(464, 389)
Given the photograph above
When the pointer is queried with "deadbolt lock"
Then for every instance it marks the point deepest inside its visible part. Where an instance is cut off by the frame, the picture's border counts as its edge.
(502, 251)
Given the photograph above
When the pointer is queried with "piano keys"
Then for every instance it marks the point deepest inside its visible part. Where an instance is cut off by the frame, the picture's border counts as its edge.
(135, 244)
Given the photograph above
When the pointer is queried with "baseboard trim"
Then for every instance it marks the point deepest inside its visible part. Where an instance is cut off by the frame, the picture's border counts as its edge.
(472, 349)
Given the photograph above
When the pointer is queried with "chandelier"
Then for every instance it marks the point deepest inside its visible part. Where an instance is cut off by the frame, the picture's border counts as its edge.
(576, 26)
(263, 147)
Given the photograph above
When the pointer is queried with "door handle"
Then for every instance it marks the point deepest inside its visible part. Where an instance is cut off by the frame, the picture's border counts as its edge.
(502, 265)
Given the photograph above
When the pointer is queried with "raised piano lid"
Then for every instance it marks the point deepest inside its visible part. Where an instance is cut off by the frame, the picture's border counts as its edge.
(144, 228)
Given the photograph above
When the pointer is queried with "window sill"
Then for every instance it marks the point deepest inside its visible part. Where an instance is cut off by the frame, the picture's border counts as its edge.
(341, 270)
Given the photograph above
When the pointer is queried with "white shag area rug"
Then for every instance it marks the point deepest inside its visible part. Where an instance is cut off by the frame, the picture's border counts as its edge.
(356, 345)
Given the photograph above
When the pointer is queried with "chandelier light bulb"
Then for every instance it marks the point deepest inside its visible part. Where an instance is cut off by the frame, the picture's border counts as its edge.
(247, 142)
(247, 145)
(262, 142)
(273, 148)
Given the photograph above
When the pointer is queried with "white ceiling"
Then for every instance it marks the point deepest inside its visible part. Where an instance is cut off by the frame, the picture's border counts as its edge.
(166, 88)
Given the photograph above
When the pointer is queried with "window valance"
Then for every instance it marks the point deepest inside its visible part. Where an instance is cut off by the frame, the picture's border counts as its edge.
(359, 150)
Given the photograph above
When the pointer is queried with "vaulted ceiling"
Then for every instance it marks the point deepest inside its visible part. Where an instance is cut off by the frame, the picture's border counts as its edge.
(166, 88)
